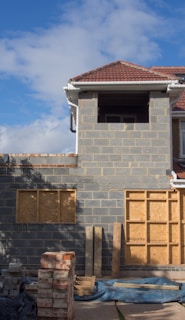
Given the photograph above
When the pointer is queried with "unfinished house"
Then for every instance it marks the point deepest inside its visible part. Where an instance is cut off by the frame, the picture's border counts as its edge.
(119, 201)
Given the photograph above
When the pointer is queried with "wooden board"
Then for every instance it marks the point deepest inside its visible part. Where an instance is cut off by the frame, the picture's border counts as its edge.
(89, 250)
(154, 227)
(98, 251)
(146, 286)
(116, 251)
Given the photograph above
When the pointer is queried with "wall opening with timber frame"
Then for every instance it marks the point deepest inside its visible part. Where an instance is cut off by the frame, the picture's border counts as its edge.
(154, 227)
(46, 206)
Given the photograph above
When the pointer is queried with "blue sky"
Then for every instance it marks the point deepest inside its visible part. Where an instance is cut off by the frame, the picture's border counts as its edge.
(43, 43)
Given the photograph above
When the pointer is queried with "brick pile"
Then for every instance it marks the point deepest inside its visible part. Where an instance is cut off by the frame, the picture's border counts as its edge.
(55, 296)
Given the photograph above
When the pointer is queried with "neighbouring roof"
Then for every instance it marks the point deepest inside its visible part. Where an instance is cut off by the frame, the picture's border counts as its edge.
(122, 71)
(179, 72)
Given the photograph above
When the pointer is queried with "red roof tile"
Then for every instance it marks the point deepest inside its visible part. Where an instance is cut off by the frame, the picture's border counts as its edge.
(170, 70)
(122, 71)
(180, 105)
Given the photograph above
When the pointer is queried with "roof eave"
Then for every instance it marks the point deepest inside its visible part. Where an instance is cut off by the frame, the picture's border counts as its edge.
(121, 85)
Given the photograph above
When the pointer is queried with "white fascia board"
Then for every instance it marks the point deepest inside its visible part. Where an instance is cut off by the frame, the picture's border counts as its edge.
(102, 83)
(168, 85)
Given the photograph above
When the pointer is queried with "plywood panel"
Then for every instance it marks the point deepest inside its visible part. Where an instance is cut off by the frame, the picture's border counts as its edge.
(173, 232)
(156, 210)
(158, 254)
(68, 206)
(135, 194)
(48, 206)
(136, 232)
(155, 227)
(173, 210)
(174, 254)
(135, 254)
(136, 210)
(26, 210)
(157, 233)
(156, 195)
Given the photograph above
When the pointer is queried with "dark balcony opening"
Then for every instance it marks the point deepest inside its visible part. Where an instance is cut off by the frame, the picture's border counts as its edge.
(123, 107)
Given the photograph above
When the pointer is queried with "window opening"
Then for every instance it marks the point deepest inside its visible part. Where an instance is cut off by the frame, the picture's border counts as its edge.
(123, 107)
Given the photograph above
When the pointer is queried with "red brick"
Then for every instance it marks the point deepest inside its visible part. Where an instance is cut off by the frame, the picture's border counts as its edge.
(60, 294)
(60, 312)
(59, 303)
(45, 283)
(43, 293)
(44, 302)
(60, 274)
(47, 265)
(45, 273)
(45, 312)
(57, 284)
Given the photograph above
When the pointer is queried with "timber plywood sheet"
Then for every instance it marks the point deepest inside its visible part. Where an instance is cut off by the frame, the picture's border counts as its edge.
(46, 206)
(156, 210)
(154, 227)
(68, 206)
(174, 254)
(136, 210)
(157, 254)
(157, 233)
(26, 206)
(136, 232)
(136, 254)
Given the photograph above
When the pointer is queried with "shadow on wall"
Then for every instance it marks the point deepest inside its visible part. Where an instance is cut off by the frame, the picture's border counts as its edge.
(27, 241)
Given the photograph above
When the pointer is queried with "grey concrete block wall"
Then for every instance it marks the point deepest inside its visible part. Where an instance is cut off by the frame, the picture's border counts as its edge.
(111, 158)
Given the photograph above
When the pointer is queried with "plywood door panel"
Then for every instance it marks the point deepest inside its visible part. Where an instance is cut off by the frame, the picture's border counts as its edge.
(154, 227)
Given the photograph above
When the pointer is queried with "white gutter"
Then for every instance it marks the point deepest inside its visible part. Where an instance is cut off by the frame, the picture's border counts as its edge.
(176, 183)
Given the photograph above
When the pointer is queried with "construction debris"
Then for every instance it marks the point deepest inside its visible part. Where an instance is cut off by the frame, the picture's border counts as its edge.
(12, 279)
(84, 285)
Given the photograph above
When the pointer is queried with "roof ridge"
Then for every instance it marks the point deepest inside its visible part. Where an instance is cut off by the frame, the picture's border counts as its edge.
(167, 67)
(147, 69)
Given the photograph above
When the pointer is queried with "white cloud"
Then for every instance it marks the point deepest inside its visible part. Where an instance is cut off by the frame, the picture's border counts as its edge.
(48, 135)
(90, 34)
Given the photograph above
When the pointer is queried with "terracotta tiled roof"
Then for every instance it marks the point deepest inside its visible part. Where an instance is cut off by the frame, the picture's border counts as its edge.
(170, 70)
(122, 71)
(180, 105)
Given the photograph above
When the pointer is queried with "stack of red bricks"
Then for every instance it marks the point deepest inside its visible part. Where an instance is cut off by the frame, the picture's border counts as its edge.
(55, 297)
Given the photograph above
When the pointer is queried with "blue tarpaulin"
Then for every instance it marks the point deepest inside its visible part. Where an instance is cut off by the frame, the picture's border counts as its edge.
(106, 291)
